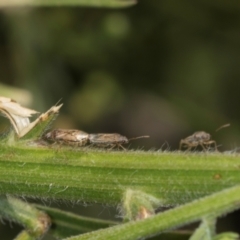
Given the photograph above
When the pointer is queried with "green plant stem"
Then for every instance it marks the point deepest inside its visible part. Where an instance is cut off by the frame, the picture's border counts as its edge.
(66, 224)
(24, 235)
(206, 230)
(227, 236)
(69, 224)
(88, 175)
(213, 205)
(35, 221)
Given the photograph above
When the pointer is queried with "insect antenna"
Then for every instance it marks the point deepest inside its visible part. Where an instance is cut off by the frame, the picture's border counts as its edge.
(58, 102)
(223, 126)
(138, 137)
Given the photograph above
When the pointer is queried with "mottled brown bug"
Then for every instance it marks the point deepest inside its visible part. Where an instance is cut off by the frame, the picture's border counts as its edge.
(198, 138)
(110, 140)
(71, 137)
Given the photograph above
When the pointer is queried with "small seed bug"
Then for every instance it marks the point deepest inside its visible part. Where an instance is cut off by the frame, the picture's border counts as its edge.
(198, 138)
(110, 140)
(70, 137)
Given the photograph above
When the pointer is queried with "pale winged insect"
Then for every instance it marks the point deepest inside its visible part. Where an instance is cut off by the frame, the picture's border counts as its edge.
(200, 138)
(110, 140)
(72, 137)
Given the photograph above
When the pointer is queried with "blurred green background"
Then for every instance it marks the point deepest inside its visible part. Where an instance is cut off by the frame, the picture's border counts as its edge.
(161, 68)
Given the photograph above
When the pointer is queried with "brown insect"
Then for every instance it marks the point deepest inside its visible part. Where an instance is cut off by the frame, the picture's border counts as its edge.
(79, 138)
(110, 140)
(198, 138)
(71, 137)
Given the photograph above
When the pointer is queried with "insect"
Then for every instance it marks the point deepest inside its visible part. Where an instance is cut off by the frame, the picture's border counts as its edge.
(71, 137)
(198, 138)
(79, 138)
(110, 139)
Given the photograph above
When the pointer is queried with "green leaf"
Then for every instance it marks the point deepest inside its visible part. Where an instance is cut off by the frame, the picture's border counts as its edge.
(67, 224)
(139, 205)
(36, 128)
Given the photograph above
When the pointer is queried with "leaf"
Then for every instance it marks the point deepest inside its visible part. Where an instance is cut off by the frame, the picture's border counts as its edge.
(18, 115)
(35, 129)
(67, 224)
(138, 205)
(19, 118)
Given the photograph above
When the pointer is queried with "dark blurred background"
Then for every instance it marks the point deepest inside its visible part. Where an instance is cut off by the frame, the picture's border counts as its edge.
(161, 68)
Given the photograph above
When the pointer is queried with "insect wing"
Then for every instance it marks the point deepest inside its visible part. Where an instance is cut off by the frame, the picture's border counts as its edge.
(100, 138)
(68, 137)
(107, 138)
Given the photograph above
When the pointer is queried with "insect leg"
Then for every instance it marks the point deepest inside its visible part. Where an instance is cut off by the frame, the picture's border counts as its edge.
(120, 145)
(180, 144)
(189, 147)
(201, 144)
(214, 143)
(112, 146)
